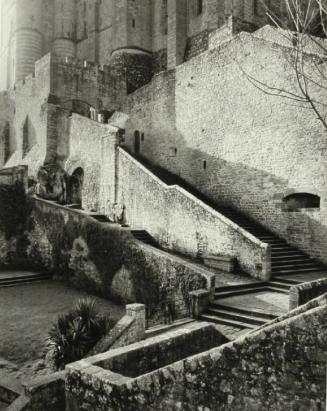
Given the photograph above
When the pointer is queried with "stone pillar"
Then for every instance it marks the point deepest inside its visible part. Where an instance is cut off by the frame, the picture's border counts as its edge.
(199, 302)
(177, 32)
(137, 311)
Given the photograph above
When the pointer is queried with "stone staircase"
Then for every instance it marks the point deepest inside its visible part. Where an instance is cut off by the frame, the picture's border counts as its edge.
(144, 236)
(220, 311)
(14, 278)
(285, 259)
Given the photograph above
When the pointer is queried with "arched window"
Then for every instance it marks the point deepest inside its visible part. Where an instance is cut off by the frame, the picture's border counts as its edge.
(298, 201)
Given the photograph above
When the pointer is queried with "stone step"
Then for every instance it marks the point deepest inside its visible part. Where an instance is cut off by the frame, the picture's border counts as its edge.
(287, 281)
(295, 258)
(286, 254)
(248, 312)
(233, 293)
(278, 284)
(230, 315)
(305, 264)
(296, 271)
(220, 320)
(101, 218)
(277, 290)
(282, 248)
(235, 287)
(11, 282)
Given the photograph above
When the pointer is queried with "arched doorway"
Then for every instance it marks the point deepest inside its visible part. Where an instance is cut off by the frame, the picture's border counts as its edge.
(76, 186)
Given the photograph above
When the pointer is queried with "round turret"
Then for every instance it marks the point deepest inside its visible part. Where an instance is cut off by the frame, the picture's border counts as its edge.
(134, 64)
(27, 39)
(64, 28)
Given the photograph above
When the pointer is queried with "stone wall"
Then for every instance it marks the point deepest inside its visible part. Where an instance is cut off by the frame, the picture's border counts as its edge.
(102, 87)
(281, 367)
(104, 259)
(29, 123)
(245, 152)
(181, 222)
(128, 330)
(92, 147)
(43, 393)
(302, 293)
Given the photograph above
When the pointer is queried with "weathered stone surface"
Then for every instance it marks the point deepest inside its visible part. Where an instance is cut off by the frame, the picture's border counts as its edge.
(302, 293)
(77, 248)
(275, 368)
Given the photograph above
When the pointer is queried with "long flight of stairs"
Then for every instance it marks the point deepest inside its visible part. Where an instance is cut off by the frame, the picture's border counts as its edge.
(285, 259)
(223, 313)
(12, 279)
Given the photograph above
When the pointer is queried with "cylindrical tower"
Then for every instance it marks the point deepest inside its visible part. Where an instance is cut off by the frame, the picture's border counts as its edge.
(26, 43)
(64, 28)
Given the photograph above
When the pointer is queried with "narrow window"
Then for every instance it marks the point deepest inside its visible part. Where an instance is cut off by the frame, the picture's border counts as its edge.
(198, 7)
(204, 165)
(142, 136)
(133, 23)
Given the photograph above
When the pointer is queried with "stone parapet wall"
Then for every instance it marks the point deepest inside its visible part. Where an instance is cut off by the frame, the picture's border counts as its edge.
(181, 222)
(280, 367)
(303, 293)
(44, 393)
(128, 330)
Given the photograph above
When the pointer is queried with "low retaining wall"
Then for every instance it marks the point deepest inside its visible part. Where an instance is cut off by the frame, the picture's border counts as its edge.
(180, 221)
(280, 367)
(302, 293)
(105, 259)
(128, 330)
(45, 393)
(97, 376)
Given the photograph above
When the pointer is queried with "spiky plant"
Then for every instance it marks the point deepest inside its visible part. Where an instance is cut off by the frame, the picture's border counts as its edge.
(74, 334)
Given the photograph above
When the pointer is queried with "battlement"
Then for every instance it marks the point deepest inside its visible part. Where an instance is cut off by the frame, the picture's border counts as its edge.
(79, 64)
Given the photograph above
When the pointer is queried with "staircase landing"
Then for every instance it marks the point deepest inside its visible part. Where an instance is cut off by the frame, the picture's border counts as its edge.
(248, 306)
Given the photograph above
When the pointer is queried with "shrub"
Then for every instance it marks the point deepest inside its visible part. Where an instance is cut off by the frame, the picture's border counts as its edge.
(74, 334)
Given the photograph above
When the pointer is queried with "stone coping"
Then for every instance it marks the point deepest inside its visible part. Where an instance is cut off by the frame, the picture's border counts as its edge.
(91, 366)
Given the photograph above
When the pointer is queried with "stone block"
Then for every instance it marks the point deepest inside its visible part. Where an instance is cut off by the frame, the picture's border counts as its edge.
(220, 262)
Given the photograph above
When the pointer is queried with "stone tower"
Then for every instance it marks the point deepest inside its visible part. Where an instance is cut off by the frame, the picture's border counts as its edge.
(25, 39)
(64, 28)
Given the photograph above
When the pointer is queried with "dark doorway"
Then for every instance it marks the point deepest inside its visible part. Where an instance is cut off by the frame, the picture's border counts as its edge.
(76, 186)
(137, 142)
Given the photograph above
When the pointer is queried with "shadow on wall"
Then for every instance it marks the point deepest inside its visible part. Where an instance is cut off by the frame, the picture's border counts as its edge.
(253, 191)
